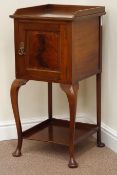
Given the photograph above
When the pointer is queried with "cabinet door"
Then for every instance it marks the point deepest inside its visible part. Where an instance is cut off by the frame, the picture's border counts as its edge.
(41, 51)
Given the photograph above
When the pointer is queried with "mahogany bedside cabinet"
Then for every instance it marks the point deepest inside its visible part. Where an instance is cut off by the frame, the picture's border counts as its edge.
(58, 44)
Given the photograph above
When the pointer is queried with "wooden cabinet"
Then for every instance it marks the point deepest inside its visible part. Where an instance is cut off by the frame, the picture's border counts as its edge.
(45, 56)
(61, 44)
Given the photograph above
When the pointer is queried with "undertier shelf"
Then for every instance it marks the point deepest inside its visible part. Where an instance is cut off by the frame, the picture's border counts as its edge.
(57, 131)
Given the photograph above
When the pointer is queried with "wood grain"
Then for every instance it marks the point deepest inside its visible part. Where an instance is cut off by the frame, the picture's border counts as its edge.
(58, 44)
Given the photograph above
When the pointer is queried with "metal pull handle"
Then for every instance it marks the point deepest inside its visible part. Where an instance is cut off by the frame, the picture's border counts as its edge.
(21, 50)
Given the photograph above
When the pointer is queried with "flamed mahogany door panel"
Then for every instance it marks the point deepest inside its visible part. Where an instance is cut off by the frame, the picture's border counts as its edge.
(44, 52)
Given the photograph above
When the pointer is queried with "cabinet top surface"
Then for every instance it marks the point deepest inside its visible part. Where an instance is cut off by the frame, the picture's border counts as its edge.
(62, 12)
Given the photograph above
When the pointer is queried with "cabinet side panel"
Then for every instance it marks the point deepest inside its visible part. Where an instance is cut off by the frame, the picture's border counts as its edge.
(85, 48)
(16, 44)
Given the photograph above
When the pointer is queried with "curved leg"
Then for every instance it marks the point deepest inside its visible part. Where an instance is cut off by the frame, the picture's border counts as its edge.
(98, 84)
(71, 92)
(14, 100)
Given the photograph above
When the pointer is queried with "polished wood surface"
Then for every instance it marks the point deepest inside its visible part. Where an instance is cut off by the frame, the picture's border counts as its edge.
(61, 44)
(84, 51)
(46, 51)
(71, 92)
(59, 132)
(98, 94)
(54, 50)
(98, 90)
(53, 12)
(42, 47)
(14, 100)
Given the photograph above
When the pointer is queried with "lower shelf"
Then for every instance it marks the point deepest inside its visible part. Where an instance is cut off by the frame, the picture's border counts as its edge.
(57, 131)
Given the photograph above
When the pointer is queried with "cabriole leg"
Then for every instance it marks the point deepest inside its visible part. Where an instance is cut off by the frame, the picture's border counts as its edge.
(71, 92)
(14, 100)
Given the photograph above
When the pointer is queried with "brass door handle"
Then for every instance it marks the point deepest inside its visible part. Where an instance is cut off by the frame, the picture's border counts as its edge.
(21, 50)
